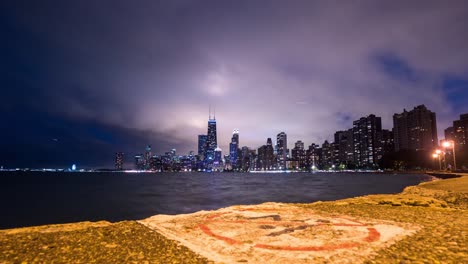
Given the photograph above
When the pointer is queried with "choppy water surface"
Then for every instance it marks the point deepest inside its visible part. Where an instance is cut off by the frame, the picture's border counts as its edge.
(36, 198)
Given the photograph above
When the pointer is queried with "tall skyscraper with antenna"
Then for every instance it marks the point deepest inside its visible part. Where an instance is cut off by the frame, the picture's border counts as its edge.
(211, 140)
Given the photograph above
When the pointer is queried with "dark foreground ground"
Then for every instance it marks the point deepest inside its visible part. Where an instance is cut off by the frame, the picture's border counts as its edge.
(439, 207)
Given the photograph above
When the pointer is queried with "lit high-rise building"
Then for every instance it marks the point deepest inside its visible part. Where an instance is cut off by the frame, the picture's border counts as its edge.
(211, 140)
(235, 136)
(202, 145)
(218, 155)
(147, 157)
(245, 158)
(326, 155)
(415, 130)
(119, 157)
(265, 156)
(345, 145)
(458, 133)
(366, 133)
(282, 150)
(218, 160)
(312, 157)
(234, 149)
(298, 155)
(386, 145)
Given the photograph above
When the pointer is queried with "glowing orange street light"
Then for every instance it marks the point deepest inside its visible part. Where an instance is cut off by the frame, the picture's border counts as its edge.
(437, 155)
(451, 143)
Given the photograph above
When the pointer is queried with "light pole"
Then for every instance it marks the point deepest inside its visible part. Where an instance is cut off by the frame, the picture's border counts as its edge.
(451, 143)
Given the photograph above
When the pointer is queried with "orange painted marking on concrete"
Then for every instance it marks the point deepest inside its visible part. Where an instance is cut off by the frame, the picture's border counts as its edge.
(372, 236)
(273, 223)
(208, 231)
(259, 209)
(310, 248)
(342, 224)
(278, 223)
(210, 217)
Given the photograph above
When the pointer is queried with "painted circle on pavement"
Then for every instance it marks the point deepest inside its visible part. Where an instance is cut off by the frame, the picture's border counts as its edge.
(274, 229)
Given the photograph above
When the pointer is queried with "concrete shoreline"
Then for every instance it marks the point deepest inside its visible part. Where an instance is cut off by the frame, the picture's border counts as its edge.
(438, 209)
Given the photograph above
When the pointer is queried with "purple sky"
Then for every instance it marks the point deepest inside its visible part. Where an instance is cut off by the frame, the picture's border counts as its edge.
(130, 73)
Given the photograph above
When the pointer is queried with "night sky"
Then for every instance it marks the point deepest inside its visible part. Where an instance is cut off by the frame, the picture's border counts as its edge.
(83, 79)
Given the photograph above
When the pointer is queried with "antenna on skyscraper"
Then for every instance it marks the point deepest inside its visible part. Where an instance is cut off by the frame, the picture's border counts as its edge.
(209, 112)
(214, 113)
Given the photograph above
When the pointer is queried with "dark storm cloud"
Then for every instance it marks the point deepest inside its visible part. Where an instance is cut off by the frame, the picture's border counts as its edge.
(267, 66)
(39, 140)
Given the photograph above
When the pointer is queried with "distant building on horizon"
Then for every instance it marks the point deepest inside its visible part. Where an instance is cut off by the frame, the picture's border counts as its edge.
(119, 160)
(415, 129)
(155, 163)
(147, 157)
(139, 162)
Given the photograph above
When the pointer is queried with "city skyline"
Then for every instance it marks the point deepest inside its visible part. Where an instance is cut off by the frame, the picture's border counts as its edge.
(83, 80)
(412, 143)
(421, 127)
(366, 145)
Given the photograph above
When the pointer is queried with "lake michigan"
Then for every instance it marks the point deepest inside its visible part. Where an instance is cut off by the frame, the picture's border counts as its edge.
(38, 198)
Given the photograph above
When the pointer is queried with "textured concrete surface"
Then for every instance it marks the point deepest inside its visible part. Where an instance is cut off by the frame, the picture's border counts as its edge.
(102, 242)
(280, 233)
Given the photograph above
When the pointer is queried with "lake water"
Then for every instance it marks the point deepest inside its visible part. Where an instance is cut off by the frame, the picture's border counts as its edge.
(36, 198)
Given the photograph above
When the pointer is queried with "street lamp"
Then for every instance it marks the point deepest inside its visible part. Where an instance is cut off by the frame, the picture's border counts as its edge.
(437, 155)
(451, 143)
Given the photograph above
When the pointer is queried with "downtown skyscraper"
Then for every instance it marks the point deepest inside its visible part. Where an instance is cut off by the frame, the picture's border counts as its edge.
(211, 139)
(202, 145)
(282, 150)
(234, 149)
